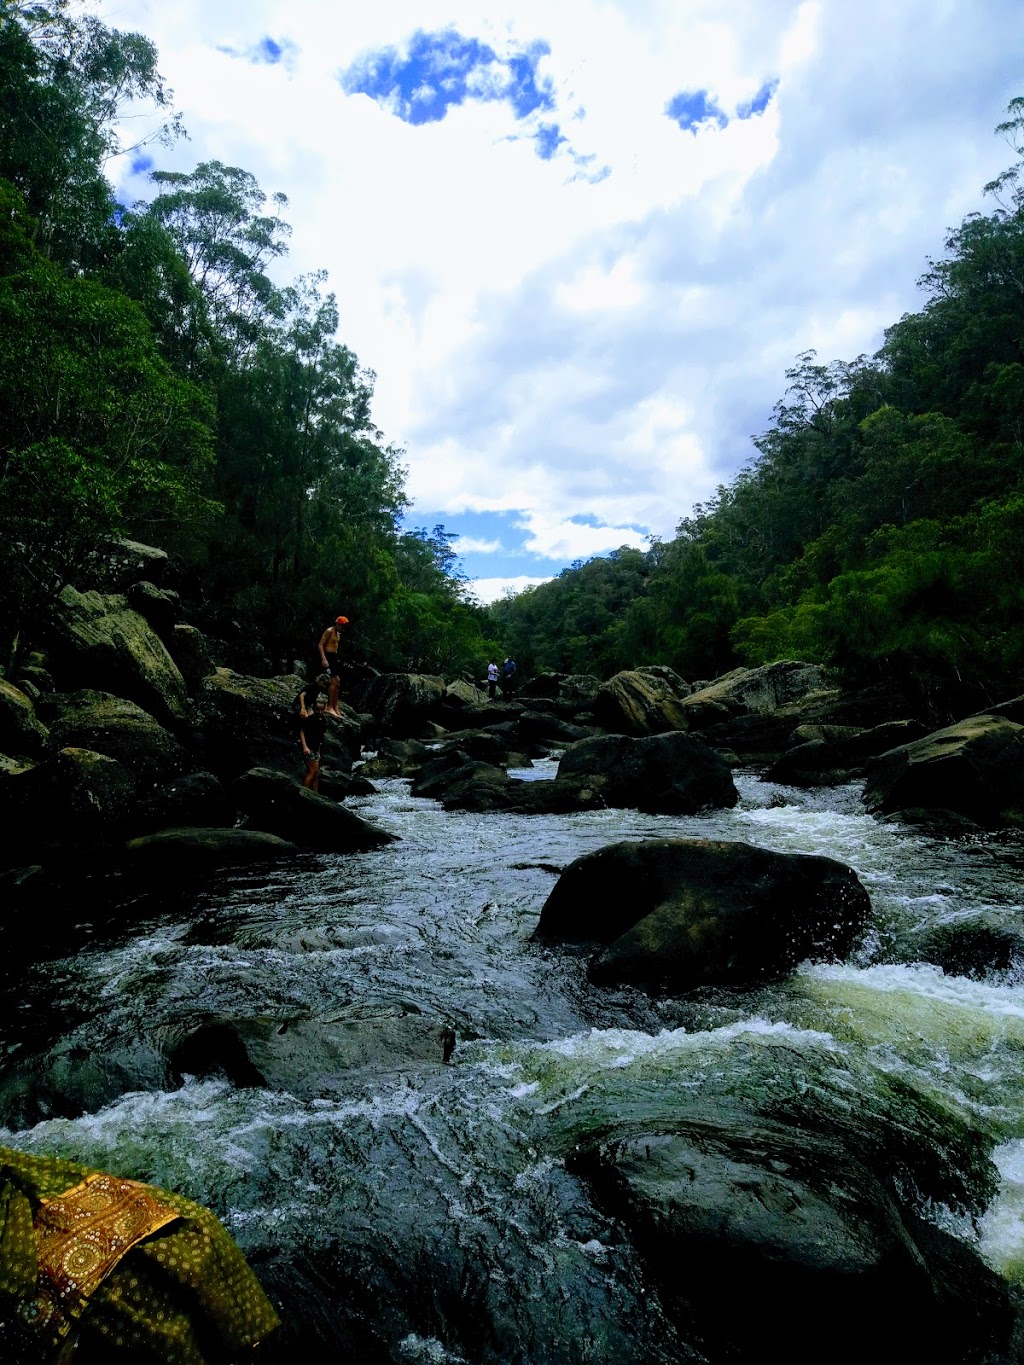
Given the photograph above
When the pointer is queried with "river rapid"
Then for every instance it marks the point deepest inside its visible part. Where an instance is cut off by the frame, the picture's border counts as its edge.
(420, 1210)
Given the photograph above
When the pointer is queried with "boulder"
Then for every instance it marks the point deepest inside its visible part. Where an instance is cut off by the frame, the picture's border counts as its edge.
(77, 798)
(544, 731)
(310, 1058)
(402, 702)
(21, 731)
(195, 800)
(190, 650)
(672, 774)
(759, 733)
(104, 644)
(183, 852)
(638, 703)
(463, 693)
(461, 783)
(254, 723)
(129, 561)
(340, 786)
(824, 755)
(753, 691)
(160, 606)
(975, 768)
(819, 1261)
(120, 729)
(683, 913)
(975, 946)
(1009, 710)
(273, 802)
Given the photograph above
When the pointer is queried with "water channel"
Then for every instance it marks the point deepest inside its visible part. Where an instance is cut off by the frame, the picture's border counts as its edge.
(418, 1209)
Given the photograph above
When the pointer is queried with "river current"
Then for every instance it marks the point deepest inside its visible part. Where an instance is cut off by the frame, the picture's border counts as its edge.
(420, 1210)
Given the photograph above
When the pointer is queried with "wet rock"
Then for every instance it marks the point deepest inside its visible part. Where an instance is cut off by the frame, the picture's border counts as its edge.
(937, 823)
(276, 803)
(752, 691)
(122, 730)
(975, 768)
(974, 946)
(462, 783)
(340, 786)
(105, 644)
(638, 703)
(546, 732)
(182, 852)
(672, 774)
(827, 1265)
(682, 913)
(21, 731)
(309, 1058)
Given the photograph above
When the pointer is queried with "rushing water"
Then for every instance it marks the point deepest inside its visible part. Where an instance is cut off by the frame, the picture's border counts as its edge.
(421, 1210)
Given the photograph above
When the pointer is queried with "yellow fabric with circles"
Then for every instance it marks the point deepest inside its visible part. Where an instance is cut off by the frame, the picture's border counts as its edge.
(131, 1272)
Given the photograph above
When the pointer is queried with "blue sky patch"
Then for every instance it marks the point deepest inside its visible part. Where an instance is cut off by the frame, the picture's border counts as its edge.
(267, 52)
(692, 108)
(441, 69)
(141, 163)
(548, 138)
(760, 102)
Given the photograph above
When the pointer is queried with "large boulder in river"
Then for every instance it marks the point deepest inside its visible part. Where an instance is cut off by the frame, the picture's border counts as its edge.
(459, 692)
(104, 644)
(184, 852)
(638, 703)
(776, 1244)
(752, 691)
(254, 723)
(21, 731)
(671, 774)
(402, 703)
(110, 725)
(682, 913)
(975, 768)
(274, 802)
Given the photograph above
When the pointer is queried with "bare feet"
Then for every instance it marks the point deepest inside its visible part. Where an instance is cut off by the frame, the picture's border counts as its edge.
(328, 712)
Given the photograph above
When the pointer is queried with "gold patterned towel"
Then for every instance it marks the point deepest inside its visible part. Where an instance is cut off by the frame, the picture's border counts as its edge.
(140, 1274)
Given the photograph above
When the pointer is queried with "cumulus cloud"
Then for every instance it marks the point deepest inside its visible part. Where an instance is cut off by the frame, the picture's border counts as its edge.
(487, 590)
(580, 308)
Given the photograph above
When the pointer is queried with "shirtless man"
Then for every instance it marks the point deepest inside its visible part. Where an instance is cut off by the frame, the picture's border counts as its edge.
(329, 648)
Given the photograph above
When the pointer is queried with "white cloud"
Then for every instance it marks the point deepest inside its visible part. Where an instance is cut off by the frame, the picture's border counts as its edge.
(472, 545)
(487, 590)
(593, 358)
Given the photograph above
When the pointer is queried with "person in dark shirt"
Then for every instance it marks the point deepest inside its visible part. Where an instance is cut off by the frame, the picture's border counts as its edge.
(312, 728)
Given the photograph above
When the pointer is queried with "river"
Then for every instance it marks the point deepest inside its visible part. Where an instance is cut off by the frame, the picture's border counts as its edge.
(421, 1211)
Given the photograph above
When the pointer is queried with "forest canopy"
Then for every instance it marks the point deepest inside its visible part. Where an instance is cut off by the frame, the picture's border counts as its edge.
(878, 527)
(158, 382)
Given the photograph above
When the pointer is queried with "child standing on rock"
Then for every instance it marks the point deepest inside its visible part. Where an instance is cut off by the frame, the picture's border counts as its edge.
(312, 728)
(330, 660)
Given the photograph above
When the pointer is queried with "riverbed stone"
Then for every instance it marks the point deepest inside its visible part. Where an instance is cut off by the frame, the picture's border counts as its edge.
(192, 800)
(182, 852)
(105, 644)
(975, 767)
(274, 802)
(72, 799)
(805, 1236)
(682, 913)
(313, 1057)
(402, 702)
(160, 606)
(670, 774)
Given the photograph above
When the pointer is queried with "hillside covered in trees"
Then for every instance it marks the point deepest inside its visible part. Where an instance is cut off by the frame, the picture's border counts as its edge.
(156, 382)
(879, 527)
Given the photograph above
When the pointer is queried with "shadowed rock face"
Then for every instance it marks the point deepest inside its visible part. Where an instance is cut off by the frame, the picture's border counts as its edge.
(77, 797)
(275, 803)
(122, 730)
(21, 732)
(682, 913)
(672, 774)
(780, 1244)
(975, 768)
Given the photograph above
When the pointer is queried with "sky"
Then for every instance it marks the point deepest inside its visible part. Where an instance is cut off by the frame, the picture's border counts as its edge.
(580, 243)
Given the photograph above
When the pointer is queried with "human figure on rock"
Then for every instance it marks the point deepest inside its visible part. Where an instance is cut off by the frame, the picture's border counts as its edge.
(312, 728)
(307, 699)
(330, 659)
(492, 679)
(508, 675)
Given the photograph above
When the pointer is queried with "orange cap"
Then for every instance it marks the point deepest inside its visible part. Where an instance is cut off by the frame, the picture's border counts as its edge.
(341, 621)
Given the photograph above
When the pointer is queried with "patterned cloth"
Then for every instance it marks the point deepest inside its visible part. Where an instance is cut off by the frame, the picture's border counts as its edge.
(117, 1270)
